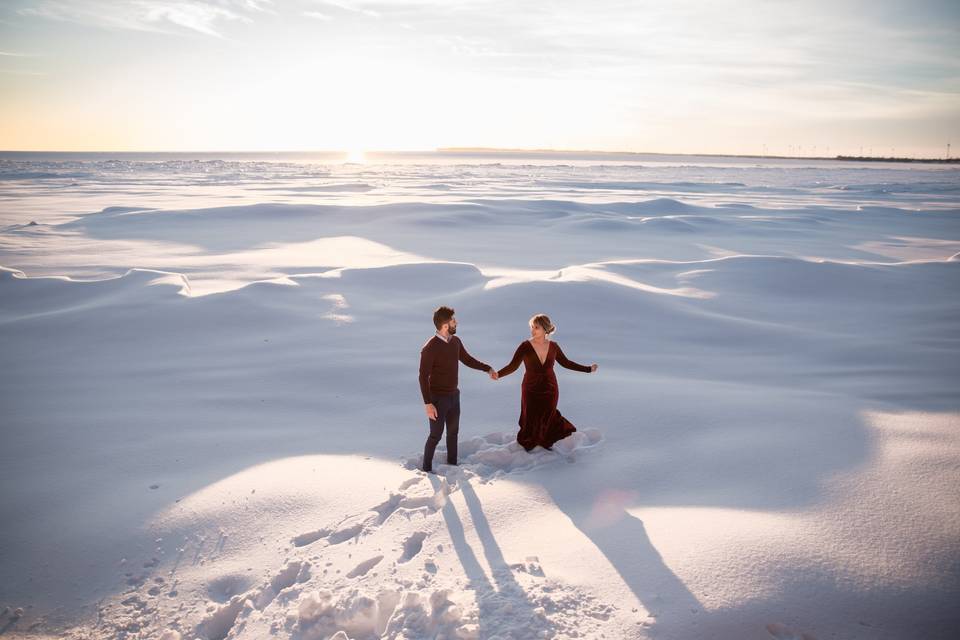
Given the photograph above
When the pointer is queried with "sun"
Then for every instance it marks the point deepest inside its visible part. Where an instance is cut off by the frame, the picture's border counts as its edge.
(355, 156)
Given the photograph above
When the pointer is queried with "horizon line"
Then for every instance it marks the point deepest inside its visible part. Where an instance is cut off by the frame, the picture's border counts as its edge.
(492, 150)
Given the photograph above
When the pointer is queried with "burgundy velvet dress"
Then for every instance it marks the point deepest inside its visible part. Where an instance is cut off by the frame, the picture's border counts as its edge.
(540, 422)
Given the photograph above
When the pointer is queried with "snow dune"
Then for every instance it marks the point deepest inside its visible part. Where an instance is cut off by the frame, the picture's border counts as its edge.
(212, 424)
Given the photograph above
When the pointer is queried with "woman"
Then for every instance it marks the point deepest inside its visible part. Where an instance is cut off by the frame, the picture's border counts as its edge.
(540, 422)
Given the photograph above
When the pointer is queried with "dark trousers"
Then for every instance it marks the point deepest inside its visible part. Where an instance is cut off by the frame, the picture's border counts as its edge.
(448, 414)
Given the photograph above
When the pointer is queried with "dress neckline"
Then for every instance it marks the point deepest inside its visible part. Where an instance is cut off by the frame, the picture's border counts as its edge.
(543, 363)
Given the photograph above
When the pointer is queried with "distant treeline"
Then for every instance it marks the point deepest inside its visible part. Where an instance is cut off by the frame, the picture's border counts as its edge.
(639, 155)
(892, 159)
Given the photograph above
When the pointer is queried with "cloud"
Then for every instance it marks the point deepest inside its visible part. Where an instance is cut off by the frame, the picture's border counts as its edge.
(150, 15)
(351, 6)
(608, 67)
(196, 16)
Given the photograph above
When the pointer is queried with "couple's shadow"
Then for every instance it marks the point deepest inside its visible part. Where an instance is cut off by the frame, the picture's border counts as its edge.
(504, 608)
(619, 536)
(622, 539)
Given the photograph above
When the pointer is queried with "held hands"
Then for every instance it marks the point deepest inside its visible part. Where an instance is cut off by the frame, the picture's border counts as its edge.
(431, 411)
(493, 374)
(593, 368)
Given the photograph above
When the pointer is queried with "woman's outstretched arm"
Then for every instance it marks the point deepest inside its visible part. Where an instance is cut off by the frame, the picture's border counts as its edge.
(517, 359)
(566, 363)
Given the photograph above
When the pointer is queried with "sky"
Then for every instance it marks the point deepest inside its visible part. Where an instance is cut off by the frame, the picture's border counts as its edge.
(774, 77)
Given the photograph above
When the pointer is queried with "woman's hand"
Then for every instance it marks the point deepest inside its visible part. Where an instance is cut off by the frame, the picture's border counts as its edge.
(594, 367)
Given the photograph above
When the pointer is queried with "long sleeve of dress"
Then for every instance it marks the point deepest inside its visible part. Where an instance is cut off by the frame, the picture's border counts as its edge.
(570, 364)
(510, 368)
(472, 362)
(426, 365)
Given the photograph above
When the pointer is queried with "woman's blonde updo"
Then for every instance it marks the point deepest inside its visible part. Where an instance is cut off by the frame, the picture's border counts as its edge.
(543, 321)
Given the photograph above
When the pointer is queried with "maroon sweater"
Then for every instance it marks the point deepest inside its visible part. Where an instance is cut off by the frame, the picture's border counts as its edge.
(438, 366)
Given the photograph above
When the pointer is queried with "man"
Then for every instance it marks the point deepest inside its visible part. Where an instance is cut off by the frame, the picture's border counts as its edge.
(438, 384)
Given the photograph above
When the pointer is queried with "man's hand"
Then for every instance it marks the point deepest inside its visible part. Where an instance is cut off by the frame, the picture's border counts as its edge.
(431, 411)
(493, 374)
(593, 368)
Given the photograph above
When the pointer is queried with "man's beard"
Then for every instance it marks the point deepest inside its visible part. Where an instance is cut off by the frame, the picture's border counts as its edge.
(451, 330)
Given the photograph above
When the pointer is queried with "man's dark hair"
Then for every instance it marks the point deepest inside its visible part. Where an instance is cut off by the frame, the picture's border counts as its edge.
(441, 315)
